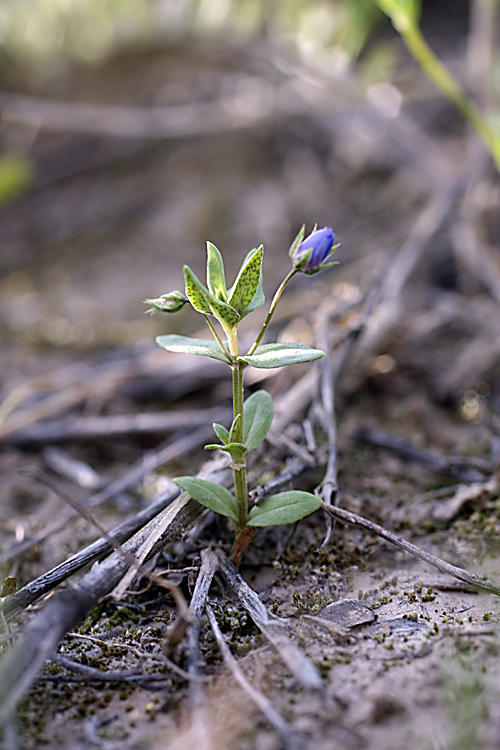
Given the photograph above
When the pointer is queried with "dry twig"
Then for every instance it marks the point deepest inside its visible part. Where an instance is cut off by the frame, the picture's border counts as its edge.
(48, 581)
(291, 741)
(82, 428)
(297, 662)
(452, 570)
(148, 463)
(67, 608)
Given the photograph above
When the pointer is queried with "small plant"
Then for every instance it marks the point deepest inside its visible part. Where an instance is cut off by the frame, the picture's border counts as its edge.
(252, 417)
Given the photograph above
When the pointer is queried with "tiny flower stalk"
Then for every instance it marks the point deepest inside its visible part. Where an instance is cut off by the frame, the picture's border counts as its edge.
(252, 417)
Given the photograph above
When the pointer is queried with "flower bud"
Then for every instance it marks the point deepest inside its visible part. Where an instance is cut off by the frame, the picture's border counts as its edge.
(314, 252)
(170, 303)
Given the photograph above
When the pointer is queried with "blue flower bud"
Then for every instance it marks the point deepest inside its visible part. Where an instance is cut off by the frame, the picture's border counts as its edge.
(314, 252)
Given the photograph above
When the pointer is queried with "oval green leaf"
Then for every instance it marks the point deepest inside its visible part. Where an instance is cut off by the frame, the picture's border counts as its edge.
(235, 427)
(279, 355)
(247, 282)
(216, 279)
(237, 451)
(205, 302)
(226, 314)
(187, 345)
(285, 507)
(196, 292)
(258, 415)
(210, 495)
(221, 432)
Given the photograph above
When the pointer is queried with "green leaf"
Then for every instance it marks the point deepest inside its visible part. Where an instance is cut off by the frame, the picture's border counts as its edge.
(279, 355)
(210, 495)
(188, 345)
(224, 312)
(285, 507)
(235, 426)
(221, 433)
(258, 299)
(247, 282)
(216, 279)
(205, 302)
(258, 415)
(237, 451)
(196, 292)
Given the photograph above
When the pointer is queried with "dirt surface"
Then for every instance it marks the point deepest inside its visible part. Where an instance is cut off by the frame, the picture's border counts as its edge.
(407, 656)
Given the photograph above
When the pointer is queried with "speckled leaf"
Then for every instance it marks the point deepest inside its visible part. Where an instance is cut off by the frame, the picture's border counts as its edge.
(279, 355)
(210, 495)
(205, 302)
(225, 313)
(216, 280)
(285, 507)
(196, 292)
(247, 284)
(188, 345)
(258, 299)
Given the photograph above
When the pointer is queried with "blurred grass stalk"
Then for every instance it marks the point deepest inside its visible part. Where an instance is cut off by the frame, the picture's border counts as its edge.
(405, 16)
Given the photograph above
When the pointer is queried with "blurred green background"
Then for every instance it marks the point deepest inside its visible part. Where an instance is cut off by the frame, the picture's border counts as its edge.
(132, 131)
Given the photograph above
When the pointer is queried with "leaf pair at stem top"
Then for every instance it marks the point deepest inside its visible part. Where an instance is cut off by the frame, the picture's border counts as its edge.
(228, 306)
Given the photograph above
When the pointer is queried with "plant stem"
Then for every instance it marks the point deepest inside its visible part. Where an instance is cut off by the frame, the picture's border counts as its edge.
(240, 467)
(270, 314)
(449, 86)
(216, 336)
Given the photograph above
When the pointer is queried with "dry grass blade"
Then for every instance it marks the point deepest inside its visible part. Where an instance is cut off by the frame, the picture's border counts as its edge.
(78, 428)
(148, 463)
(48, 581)
(390, 293)
(290, 740)
(144, 552)
(67, 608)
(463, 575)
(297, 662)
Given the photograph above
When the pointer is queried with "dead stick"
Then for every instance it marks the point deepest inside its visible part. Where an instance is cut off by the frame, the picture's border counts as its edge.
(67, 608)
(120, 424)
(150, 462)
(209, 565)
(48, 581)
(260, 700)
(465, 470)
(460, 573)
(272, 627)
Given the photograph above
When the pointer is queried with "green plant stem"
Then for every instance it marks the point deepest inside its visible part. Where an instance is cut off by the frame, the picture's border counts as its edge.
(216, 336)
(270, 314)
(449, 86)
(239, 467)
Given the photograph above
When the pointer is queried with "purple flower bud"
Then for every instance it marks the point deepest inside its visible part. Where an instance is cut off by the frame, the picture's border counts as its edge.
(313, 253)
